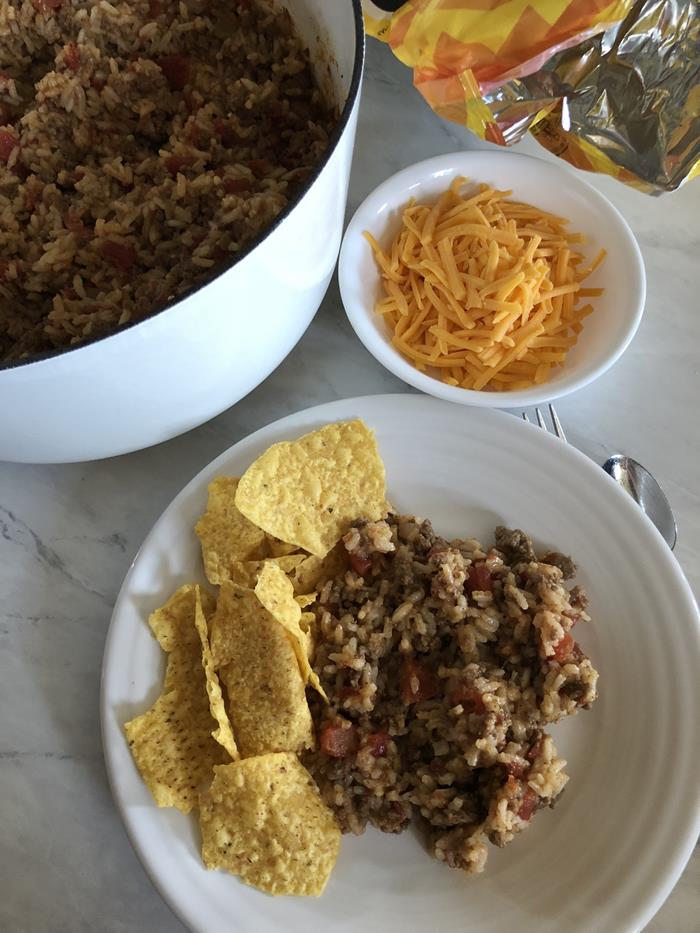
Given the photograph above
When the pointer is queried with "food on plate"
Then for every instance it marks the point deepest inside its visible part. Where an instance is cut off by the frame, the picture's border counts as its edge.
(307, 491)
(142, 146)
(258, 666)
(172, 743)
(483, 292)
(382, 675)
(263, 819)
(443, 663)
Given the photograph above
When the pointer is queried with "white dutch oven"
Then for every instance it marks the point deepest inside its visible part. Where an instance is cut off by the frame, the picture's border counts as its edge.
(165, 375)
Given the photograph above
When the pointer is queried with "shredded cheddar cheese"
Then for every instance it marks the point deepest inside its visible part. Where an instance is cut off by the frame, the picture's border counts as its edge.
(483, 292)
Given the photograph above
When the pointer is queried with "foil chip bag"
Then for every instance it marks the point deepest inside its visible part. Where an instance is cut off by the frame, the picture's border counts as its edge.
(611, 87)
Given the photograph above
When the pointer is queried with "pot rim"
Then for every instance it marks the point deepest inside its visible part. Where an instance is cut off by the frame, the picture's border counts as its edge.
(335, 138)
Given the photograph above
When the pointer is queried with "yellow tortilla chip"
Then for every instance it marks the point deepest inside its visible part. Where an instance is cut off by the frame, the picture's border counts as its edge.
(172, 743)
(263, 819)
(308, 492)
(258, 666)
(173, 623)
(246, 573)
(276, 593)
(313, 571)
(306, 599)
(223, 735)
(227, 536)
(277, 548)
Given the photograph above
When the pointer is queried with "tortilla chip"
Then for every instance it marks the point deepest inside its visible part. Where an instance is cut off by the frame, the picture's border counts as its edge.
(313, 571)
(173, 623)
(277, 548)
(263, 819)
(227, 536)
(276, 593)
(246, 573)
(306, 599)
(257, 664)
(223, 735)
(172, 743)
(308, 492)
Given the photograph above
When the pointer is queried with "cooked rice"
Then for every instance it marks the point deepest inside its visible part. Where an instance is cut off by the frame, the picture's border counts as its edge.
(444, 662)
(143, 143)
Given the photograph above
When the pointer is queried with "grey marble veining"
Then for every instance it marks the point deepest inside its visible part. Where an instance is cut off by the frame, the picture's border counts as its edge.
(69, 533)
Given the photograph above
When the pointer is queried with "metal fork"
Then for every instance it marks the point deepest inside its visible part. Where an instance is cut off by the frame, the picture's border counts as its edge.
(632, 476)
(556, 423)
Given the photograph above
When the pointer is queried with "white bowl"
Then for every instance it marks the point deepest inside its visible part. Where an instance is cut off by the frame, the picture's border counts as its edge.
(606, 333)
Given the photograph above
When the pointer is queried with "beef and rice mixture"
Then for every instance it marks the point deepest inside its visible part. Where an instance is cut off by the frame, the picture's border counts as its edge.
(444, 663)
(142, 144)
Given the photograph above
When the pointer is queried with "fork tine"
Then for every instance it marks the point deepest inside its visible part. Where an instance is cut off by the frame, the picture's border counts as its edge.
(524, 416)
(540, 419)
(558, 430)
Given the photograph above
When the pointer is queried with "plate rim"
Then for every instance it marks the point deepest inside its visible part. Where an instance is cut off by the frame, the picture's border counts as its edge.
(687, 842)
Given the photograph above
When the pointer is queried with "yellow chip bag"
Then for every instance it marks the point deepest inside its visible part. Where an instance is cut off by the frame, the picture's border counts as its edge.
(258, 666)
(172, 743)
(226, 536)
(276, 593)
(308, 492)
(223, 735)
(263, 819)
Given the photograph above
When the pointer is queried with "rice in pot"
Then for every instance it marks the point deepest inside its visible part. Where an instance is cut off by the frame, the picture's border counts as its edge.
(143, 143)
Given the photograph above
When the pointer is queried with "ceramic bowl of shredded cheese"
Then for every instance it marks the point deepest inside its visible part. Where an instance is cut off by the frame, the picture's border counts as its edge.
(492, 279)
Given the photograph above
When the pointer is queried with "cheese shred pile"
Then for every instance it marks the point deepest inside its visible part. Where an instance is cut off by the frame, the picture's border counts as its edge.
(483, 292)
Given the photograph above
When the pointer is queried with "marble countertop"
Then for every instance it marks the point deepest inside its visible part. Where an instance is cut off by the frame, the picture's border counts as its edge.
(69, 533)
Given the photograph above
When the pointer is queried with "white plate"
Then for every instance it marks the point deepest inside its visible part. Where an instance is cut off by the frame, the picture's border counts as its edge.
(609, 854)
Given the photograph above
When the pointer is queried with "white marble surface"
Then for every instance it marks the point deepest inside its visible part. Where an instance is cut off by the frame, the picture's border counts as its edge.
(68, 534)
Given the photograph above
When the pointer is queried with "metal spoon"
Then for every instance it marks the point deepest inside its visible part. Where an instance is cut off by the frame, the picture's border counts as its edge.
(646, 492)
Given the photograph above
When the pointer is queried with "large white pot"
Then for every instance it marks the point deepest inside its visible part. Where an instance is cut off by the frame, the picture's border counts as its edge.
(194, 359)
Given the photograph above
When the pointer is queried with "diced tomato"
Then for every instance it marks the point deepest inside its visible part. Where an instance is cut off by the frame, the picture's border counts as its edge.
(74, 223)
(259, 167)
(361, 565)
(45, 6)
(120, 255)
(155, 8)
(225, 132)
(194, 134)
(529, 802)
(516, 768)
(378, 743)
(563, 648)
(417, 682)
(177, 70)
(348, 693)
(72, 56)
(479, 579)
(7, 117)
(535, 749)
(468, 697)
(175, 164)
(236, 185)
(8, 144)
(338, 741)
